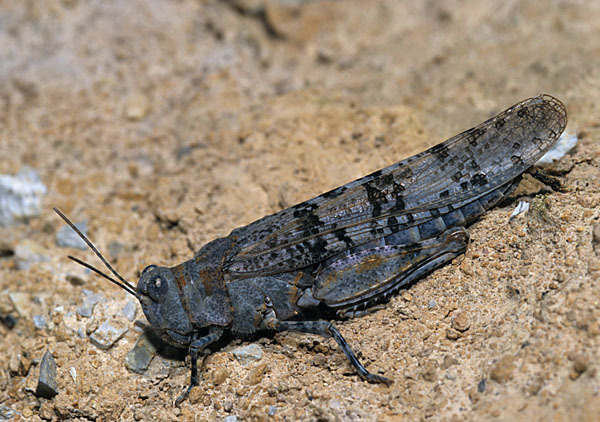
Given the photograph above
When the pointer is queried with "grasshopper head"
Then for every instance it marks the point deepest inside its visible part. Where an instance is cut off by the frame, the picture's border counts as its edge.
(157, 292)
(159, 296)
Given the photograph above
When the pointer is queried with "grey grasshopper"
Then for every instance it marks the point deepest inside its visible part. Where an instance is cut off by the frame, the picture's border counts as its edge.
(348, 248)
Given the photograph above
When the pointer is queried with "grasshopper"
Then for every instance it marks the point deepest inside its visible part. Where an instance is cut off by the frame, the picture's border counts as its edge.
(346, 249)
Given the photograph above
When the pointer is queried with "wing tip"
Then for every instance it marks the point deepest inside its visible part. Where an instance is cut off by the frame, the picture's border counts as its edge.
(557, 105)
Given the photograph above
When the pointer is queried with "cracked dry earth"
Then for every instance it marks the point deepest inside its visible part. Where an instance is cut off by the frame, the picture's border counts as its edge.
(160, 126)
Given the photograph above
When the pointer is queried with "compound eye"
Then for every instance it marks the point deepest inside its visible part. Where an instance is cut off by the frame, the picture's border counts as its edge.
(157, 288)
(148, 268)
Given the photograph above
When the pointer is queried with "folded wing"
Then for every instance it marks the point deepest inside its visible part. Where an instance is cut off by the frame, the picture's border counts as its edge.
(410, 192)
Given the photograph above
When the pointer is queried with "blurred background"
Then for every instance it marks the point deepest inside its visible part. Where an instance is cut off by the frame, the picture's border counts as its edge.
(160, 125)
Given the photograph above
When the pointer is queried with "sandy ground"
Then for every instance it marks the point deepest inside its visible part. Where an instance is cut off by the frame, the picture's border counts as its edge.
(167, 124)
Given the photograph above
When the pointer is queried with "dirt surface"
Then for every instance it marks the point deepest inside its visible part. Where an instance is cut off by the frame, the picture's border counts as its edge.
(164, 125)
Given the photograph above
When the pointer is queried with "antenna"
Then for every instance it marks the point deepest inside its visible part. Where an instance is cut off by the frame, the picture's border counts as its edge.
(124, 284)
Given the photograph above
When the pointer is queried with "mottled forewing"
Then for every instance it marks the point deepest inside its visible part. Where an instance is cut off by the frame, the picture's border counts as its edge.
(407, 193)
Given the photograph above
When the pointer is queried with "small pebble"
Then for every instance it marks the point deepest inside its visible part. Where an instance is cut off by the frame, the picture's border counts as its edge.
(129, 310)
(21, 303)
(67, 238)
(28, 253)
(247, 354)
(452, 334)
(14, 364)
(231, 418)
(481, 385)
(535, 385)
(256, 375)
(334, 404)
(502, 371)
(46, 411)
(219, 375)
(594, 265)
(429, 370)
(580, 362)
(7, 413)
(73, 373)
(91, 299)
(75, 280)
(6, 305)
(228, 406)
(196, 395)
(91, 326)
(47, 386)
(461, 322)
(521, 208)
(137, 106)
(139, 357)
(20, 196)
(448, 361)
(86, 310)
(9, 321)
(272, 410)
(39, 321)
(107, 334)
(593, 329)
(432, 304)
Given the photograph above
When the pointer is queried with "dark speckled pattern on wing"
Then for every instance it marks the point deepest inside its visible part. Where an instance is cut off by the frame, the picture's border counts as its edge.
(405, 194)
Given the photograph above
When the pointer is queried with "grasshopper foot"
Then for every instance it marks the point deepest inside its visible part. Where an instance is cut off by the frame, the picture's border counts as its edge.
(184, 395)
(378, 379)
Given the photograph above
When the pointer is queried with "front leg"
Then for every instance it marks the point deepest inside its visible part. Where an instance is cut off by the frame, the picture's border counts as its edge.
(326, 329)
(196, 347)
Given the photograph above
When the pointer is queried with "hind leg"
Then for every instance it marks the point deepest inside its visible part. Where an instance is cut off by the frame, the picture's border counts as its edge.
(357, 280)
(362, 277)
